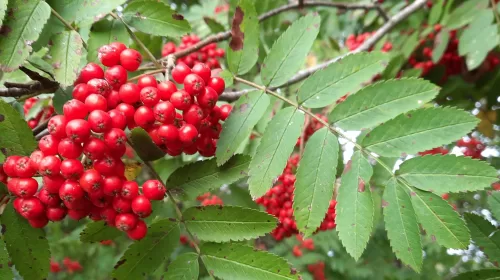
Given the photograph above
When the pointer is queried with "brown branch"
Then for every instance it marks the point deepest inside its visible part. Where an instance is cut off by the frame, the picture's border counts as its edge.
(367, 45)
(39, 85)
(41, 134)
(41, 127)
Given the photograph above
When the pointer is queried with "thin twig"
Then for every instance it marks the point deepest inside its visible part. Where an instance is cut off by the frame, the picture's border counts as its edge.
(42, 134)
(367, 45)
(67, 24)
(41, 127)
(38, 85)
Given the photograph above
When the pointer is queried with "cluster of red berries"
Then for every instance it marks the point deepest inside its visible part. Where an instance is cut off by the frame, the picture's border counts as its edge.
(70, 266)
(311, 126)
(208, 54)
(43, 115)
(354, 41)
(434, 151)
(279, 199)
(317, 270)
(307, 244)
(471, 147)
(209, 199)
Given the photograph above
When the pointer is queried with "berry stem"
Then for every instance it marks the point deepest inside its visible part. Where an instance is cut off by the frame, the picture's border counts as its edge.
(67, 24)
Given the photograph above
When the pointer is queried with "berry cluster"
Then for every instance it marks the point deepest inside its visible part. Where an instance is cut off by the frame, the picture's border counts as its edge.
(310, 128)
(317, 270)
(209, 199)
(278, 202)
(208, 54)
(354, 41)
(307, 244)
(471, 147)
(43, 115)
(70, 266)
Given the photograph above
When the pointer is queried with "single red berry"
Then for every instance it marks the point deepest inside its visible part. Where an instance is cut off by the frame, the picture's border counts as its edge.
(39, 222)
(153, 133)
(118, 46)
(56, 214)
(139, 232)
(193, 115)
(130, 190)
(130, 59)
(164, 112)
(89, 72)
(122, 205)
(106, 165)
(95, 213)
(225, 110)
(71, 169)
(208, 98)
(71, 191)
(96, 102)
(100, 86)
(127, 110)
(108, 214)
(99, 199)
(218, 84)
(180, 72)
(153, 190)
(24, 168)
(9, 166)
(67, 148)
(31, 208)
(112, 186)
(166, 89)
(108, 55)
(25, 187)
(181, 100)
(149, 96)
(52, 183)
(77, 215)
(129, 93)
(50, 166)
(113, 99)
(168, 133)
(115, 138)
(147, 81)
(168, 48)
(57, 126)
(190, 149)
(99, 121)
(78, 130)
(35, 159)
(116, 76)
(91, 181)
(188, 133)
(81, 91)
(94, 148)
(48, 145)
(126, 221)
(144, 117)
(194, 84)
(203, 71)
(49, 199)
(75, 109)
(141, 206)
(118, 120)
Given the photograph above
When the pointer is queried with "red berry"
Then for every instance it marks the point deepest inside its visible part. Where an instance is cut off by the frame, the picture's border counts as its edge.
(78, 130)
(149, 96)
(38, 222)
(218, 84)
(153, 190)
(50, 166)
(106, 165)
(81, 91)
(144, 117)
(194, 84)
(30, 208)
(130, 59)
(52, 183)
(9, 166)
(100, 86)
(67, 148)
(168, 133)
(126, 221)
(99, 199)
(113, 99)
(164, 112)
(166, 89)
(57, 126)
(77, 215)
(108, 214)
(71, 169)
(99, 121)
(147, 81)
(127, 110)
(225, 110)
(203, 71)
(118, 46)
(130, 190)
(112, 186)
(71, 191)
(89, 72)
(193, 115)
(115, 138)
(48, 145)
(56, 214)
(180, 72)
(181, 100)
(118, 120)
(108, 55)
(91, 181)
(35, 159)
(25, 187)
(24, 168)
(96, 102)
(116, 76)
(122, 205)
(167, 49)
(94, 148)
(75, 109)
(139, 232)
(49, 199)
(188, 133)
(130, 93)
(208, 98)
(141, 206)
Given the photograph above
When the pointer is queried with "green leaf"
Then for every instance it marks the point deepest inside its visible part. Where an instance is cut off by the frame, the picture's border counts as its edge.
(202, 176)
(410, 44)
(27, 246)
(275, 147)
(240, 262)
(338, 79)
(91, 8)
(227, 223)
(145, 256)
(419, 130)
(22, 27)
(98, 231)
(144, 146)
(3, 10)
(484, 235)
(439, 220)
(184, 267)
(246, 113)
(355, 205)
(315, 181)
(483, 274)
(436, 12)
(440, 45)
(289, 51)
(494, 203)
(381, 102)
(61, 96)
(104, 32)
(394, 66)
(214, 25)
(465, 14)
(401, 225)
(227, 77)
(39, 105)
(241, 58)
(380, 174)
(17, 138)
(5, 270)
(155, 18)
(472, 42)
(65, 54)
(447, 173)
